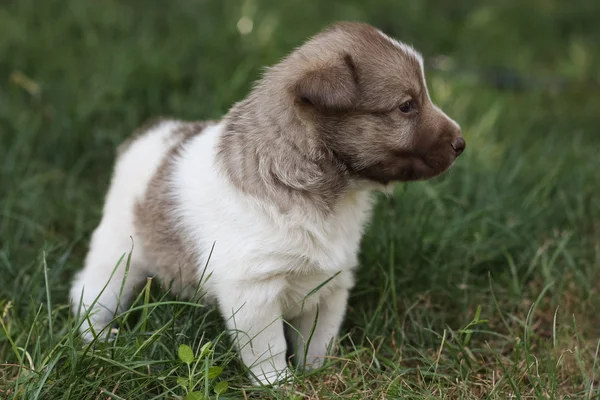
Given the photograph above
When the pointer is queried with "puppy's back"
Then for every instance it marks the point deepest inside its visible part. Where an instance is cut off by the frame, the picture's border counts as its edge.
(137, 162)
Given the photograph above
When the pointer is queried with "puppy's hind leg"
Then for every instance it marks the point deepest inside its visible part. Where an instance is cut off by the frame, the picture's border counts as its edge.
(107, 283)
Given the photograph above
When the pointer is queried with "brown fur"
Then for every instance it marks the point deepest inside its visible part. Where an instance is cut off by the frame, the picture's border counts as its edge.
(155, 222)
(317, 124)
(327, 116)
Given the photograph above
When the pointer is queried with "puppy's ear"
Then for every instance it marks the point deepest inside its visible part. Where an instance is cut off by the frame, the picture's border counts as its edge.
(333, 87)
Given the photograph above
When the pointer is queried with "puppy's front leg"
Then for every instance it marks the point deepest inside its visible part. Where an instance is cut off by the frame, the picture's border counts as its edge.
(253, 314)
(316, 345)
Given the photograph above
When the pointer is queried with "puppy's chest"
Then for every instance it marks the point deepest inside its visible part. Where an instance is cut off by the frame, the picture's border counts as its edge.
(329, 244)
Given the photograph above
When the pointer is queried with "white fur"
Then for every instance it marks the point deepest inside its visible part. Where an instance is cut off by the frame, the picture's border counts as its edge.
(264, 265)
(406, 48)
(113, 236)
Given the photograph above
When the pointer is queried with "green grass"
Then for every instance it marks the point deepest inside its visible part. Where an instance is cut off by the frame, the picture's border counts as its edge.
(481, 284)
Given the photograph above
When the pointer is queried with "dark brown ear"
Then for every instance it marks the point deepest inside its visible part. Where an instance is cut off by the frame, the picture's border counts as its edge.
(333, 87)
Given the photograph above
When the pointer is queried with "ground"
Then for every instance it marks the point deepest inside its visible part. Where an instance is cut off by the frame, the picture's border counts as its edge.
(480, 284)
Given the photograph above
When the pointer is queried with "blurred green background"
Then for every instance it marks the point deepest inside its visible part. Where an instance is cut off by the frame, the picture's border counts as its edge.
(514, 227)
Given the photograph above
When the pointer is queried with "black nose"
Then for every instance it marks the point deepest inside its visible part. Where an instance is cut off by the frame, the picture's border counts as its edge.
(459, 145)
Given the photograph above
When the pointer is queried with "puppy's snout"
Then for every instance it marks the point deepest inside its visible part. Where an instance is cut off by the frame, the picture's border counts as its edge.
(458, 144)
(451, 133)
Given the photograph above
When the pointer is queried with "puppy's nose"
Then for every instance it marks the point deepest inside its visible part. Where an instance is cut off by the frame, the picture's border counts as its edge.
(458, 145)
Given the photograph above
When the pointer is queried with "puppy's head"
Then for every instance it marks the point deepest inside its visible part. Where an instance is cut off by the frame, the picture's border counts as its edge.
(364, 96)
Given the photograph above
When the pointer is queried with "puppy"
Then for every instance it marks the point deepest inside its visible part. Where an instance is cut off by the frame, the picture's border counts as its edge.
(276, 194)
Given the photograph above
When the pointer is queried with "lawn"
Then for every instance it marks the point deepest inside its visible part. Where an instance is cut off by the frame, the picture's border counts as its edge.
(483, 283)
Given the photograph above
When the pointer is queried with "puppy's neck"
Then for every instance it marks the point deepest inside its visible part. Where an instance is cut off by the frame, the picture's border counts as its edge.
(269, 153)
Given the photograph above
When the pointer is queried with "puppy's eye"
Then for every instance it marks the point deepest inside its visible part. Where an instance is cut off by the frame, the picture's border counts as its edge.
(407, 106)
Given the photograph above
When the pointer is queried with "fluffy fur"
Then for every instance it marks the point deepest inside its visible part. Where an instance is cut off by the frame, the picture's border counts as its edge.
(281, 188)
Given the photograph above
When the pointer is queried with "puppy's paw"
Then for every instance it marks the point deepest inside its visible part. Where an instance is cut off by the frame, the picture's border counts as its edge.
(109, 335)
(272, 378)
(311, 362)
